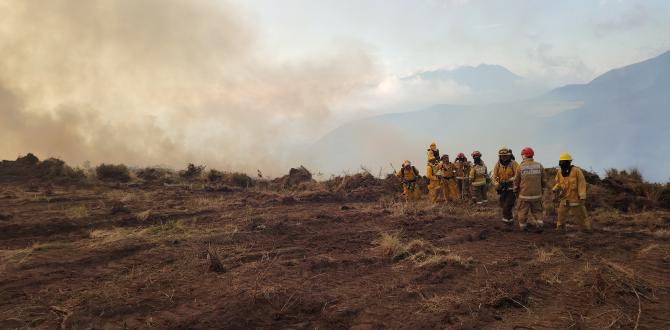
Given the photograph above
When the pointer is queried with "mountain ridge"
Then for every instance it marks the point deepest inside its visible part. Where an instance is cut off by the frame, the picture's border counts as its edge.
(615, 120)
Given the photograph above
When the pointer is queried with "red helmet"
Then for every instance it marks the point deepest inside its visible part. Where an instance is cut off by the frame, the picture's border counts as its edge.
(528, 152)
(460, 155)
(476, 154)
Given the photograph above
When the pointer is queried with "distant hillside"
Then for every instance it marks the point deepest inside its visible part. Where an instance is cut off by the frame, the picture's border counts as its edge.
(486, 83)
(620, 119)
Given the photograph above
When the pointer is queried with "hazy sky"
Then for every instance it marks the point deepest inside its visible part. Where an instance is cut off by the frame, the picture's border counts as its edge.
(562, 41)
(248, 84)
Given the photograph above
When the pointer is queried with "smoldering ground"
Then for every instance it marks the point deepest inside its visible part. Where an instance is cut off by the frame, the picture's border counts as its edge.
(160, 82)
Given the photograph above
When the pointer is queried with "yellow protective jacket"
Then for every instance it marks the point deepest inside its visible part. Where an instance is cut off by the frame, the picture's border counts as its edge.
(504, 173)
(431, 172)
(529, 181)
(448, 170)
(408, 176)
(572, 188)
(462, 170)
(478, 175)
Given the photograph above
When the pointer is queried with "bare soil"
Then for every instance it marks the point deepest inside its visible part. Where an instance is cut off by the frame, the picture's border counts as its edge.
(153, 256)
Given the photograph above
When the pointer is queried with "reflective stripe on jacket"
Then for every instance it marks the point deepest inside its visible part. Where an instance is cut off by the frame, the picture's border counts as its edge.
(462, 170)
(478, 175)
(530, 180)
(448, 170)
(504, 173)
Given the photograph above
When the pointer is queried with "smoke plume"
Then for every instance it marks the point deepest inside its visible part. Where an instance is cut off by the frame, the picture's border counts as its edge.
(148, 82)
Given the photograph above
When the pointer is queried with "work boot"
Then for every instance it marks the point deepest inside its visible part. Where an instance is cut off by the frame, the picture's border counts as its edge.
(523, 227)
(507, 221)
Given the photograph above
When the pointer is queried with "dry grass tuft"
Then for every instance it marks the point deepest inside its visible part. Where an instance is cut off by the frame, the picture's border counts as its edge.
(662, 233)
(167, 228)
(102, 236)
(206, 203)
(422, 253)
(439, 304)
(77, 212)
(551, 277)
(629, 273)
(449, 258)
(390, 245)
(58, 245)
(545, 255)
(648, 249)
(125, 196)
(144, 215)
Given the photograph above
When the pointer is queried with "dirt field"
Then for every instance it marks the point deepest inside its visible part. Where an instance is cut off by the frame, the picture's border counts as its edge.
(144, 257)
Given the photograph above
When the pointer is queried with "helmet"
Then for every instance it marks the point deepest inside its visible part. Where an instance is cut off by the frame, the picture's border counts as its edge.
(406, 163)
(433, 145)
(528, 152)
(444, 157)
(460, 155)
(476, 154)
(504, 151)
(565, 156)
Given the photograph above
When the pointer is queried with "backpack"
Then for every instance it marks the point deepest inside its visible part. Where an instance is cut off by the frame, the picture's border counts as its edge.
(416, 172)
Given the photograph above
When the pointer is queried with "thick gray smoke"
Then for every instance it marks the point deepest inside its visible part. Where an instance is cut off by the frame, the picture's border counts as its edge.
(159, 82)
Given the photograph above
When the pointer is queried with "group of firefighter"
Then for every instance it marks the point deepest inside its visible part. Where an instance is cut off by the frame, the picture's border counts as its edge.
(517, 184)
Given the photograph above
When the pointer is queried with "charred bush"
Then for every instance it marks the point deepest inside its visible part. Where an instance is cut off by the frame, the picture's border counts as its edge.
(192, 171)
(663, 197)
(30, 167)
(233, 179)
(215, 176)
(150, 174)
(113, 173)
(295, 177)
(241, 180)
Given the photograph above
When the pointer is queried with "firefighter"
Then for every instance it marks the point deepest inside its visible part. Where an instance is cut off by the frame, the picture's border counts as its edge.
(529, 185)
(462, 175)
(433, 174)
(570, 190)
(478, 179)
(433, 154)
(448, 179)
(503, 175)
(409, 176)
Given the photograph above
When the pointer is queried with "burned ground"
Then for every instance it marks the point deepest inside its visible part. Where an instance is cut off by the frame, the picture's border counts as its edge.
(70, 259)
(191, 256)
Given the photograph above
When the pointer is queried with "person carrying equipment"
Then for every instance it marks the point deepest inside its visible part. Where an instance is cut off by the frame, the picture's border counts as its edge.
(478, 179)
(433, 154)
(570, 190)
(529, 185)
(448, 179)
(409, 177)
(503, 175)
(433, 175)
(462, 175)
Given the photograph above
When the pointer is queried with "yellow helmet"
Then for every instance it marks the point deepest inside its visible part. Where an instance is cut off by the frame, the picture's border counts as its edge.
(565, 156)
